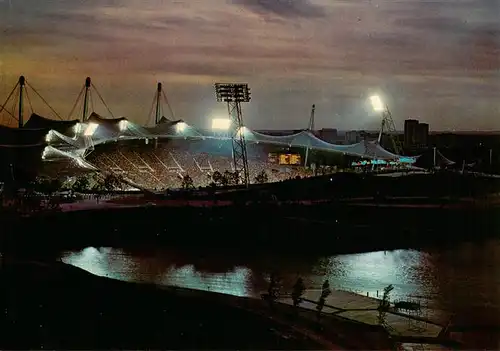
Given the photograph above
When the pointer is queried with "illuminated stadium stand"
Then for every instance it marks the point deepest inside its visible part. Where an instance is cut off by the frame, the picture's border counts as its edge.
(158, 157)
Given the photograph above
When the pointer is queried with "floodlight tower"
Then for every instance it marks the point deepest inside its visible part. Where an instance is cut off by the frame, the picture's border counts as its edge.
(387, 124)
(234, 95)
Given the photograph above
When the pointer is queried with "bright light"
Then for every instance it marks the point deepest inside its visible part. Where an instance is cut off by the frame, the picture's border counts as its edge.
(242, 130)
(377, 103)
(180, 127)
(45, 152)
(77, 128)
(90, 130)
(48, 137)
(221, 124)
(122, 125)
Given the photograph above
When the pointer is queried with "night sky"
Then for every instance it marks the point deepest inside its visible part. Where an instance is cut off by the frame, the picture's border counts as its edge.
(438, 61)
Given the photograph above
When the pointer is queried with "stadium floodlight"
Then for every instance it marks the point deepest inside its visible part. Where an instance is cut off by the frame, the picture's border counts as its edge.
(45, 152)
(221, 124)
(242, 131)
(77, 128)
(91, 129)
(234, 94)
(377, 104)
(123, 125)
(48, 137)
(180, 127)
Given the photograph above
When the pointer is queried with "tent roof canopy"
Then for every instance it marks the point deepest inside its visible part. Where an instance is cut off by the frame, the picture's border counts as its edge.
(365, 149)
(96, 118)
(36, 121)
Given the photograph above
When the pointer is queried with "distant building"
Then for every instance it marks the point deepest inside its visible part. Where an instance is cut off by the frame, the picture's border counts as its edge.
(422, 139)
(352, 137)
(410, 132)
(330, 135)
(416, 134)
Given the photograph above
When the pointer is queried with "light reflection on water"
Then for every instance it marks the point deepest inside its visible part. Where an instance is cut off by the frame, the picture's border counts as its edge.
(464, 280)
(371, 272)
(117, 264)
(362, 273)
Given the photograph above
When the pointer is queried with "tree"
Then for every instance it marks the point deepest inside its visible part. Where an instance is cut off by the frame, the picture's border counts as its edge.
(226, 178)
(98, 187)
(298, 290)
(325, 292)
(235, 176)
(81, 184)
(187, 182)
(274, 289)
(384, 304)
(217, 178)
(262, 177)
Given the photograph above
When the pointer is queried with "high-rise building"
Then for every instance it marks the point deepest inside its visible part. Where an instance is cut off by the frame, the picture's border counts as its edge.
(352, 137)
(416, 134)
(411, 126)
(422, 134)
(329, 135)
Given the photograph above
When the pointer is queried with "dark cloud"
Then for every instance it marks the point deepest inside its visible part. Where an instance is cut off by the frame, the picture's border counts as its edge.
(440, 24)
(283, 8)
(429, 58)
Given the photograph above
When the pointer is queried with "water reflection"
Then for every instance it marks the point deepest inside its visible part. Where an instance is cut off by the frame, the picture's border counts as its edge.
(154, 269)
(362, 273)
(234, 282)
(371, 272)
(464, 280)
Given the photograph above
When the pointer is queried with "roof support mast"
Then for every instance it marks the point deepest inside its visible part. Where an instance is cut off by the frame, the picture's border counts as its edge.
(311, 119)
(86, 99)
(158, 114)
(310, 128)
(20, 119)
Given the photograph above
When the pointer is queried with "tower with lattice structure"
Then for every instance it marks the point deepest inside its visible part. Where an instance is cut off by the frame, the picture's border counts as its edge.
(389, 128)
(234, 95)
(387, 124)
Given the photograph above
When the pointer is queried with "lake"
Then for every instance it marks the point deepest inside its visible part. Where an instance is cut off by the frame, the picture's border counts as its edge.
(462, 281)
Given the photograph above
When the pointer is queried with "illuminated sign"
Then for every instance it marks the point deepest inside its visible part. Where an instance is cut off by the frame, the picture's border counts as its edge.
(289, 159)
(295, 159)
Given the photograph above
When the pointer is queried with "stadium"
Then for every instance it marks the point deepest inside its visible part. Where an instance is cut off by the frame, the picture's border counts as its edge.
(159, 157)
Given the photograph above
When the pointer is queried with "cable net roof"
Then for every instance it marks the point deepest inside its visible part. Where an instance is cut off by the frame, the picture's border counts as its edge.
(179, 129)
(96, 118)
(112, 129)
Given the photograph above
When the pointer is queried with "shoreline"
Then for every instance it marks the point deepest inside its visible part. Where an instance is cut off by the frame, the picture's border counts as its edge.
(301, 330)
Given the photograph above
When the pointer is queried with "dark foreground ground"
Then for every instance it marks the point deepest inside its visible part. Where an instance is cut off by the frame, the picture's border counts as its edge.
(320, 229)
(56, 306)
